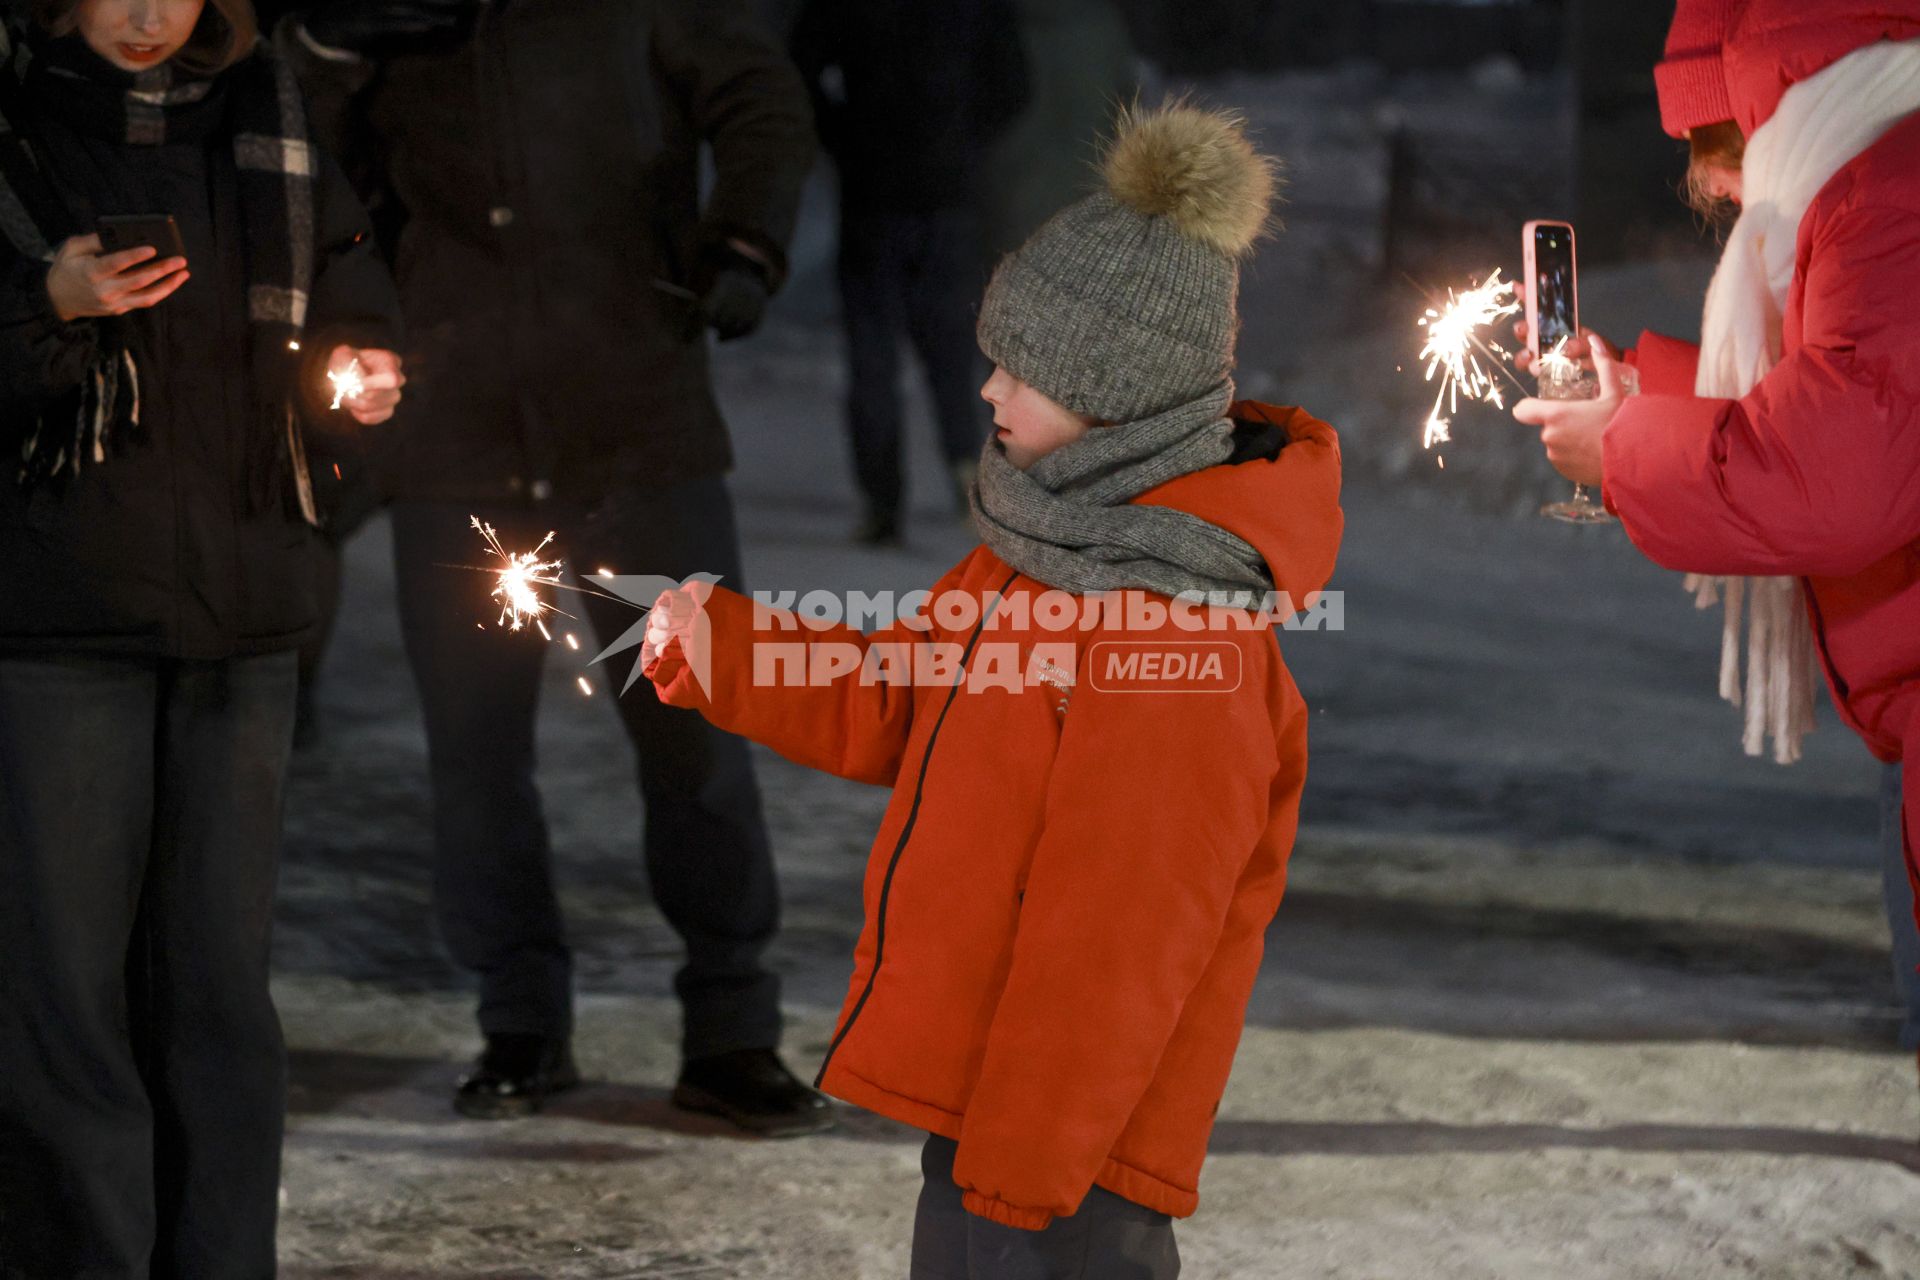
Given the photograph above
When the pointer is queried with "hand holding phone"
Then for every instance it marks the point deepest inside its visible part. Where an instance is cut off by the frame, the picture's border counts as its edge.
(1533, 298)
(87, 280)
(120, 232)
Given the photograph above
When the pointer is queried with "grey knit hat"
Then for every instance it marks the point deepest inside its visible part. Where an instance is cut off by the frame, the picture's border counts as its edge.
(1123, 305)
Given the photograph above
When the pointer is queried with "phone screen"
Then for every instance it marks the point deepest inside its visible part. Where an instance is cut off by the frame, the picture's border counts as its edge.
(1553, 283)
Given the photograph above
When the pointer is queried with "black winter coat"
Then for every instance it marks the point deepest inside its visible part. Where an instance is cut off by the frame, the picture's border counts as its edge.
(159, 551)
(911, 96)
(548, 174)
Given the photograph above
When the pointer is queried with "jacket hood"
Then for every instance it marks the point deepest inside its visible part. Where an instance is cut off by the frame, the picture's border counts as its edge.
(1690, 80)
(1286, 507)
(1773, 45)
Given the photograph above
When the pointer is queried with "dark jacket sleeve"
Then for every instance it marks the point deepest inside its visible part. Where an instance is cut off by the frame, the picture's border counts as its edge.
(817, 45)
(747, 102)
(41, 355)
(1003, 79)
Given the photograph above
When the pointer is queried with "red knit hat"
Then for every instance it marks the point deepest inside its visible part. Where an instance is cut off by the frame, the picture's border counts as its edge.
(1692, 86)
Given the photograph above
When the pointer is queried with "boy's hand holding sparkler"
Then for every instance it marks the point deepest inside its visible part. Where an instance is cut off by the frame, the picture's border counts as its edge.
(1572, 429)
(366, 382)
(674, 615)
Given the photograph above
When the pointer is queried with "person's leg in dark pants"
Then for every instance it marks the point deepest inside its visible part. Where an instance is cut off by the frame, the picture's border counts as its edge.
(326, 591)
(206, 1033)
(76, 824)
(1898, 895)
(873, 315)
(708, 857)
(944, 292)
(479, 691)
(1109, 1238)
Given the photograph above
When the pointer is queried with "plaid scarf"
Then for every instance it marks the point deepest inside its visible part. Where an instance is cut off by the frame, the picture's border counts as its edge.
(257, 102)
(1070, 521)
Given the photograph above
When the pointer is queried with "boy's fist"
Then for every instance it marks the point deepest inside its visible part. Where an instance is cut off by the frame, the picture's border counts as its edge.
(674, 613)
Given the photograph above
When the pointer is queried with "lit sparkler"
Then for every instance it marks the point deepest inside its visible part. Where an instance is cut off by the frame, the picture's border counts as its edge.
(348, 383)
(1556, 365)
(1455, 351)
(518, 580)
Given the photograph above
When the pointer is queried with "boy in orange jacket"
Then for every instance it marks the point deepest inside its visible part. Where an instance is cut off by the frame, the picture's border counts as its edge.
(1095, 749)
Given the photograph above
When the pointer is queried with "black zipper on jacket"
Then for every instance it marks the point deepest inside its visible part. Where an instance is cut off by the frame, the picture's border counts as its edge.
(906, 833)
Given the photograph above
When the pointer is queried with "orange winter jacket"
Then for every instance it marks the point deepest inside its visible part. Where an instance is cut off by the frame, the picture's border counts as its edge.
(1068, 895)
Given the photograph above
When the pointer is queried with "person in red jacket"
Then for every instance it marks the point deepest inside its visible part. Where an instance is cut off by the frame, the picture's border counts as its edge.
(1096, 776)
(1779, 461)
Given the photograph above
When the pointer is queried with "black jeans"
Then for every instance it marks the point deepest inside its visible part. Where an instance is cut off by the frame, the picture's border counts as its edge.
(142, 1073)
(707, 855)
(1108, 1238)
(916, 276)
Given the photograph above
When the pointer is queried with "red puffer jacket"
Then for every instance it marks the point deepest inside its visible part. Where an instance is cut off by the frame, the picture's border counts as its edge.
(1815, 473)
(1068, 896)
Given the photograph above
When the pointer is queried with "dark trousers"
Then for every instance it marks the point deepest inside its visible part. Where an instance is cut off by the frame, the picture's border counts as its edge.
(1899, 903)
(1109, 1238)
(142, 1073)
(917, 276)
(705, 844)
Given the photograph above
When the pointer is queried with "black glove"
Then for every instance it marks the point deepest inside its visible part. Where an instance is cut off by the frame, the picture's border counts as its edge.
(388, 28)
(735, 301)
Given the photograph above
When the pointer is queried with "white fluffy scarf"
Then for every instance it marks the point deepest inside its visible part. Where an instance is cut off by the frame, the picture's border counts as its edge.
(1822, 123)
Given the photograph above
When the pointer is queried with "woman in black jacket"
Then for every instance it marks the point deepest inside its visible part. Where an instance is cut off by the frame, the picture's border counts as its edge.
(162, 420)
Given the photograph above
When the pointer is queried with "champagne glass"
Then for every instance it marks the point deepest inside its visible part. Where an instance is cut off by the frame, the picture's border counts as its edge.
(1562, 378)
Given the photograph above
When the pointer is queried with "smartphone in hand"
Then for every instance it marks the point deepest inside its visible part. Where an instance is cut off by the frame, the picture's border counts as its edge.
(1553, 289)
(120, 231)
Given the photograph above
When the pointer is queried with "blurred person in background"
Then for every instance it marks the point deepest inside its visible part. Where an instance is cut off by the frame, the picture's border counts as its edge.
(910, 99)
(1080, 62)
(1779, 461)
(157, 524)
(538, 170)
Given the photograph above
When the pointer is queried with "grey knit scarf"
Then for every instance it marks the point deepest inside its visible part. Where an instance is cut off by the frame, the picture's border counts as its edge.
(1067, 520)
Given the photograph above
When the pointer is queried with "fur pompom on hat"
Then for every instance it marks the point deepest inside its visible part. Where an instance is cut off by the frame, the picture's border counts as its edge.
(1125, 304)
(1195, 168)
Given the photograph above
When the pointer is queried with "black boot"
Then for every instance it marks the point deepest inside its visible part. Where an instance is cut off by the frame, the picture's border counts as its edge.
(516, 1074)
(753, 1089)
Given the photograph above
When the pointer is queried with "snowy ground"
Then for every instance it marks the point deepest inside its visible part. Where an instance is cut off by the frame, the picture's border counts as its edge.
(1563, 985)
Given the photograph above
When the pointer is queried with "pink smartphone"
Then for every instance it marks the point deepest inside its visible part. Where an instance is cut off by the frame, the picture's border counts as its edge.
(1553, 285)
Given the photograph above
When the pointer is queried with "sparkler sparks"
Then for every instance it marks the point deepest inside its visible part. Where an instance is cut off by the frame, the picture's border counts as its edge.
(1556, 365)
(1456, 353)
(518, 580)
(348, 383)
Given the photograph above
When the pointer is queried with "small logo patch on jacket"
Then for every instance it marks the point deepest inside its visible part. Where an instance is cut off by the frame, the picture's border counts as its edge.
(1046, 671)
